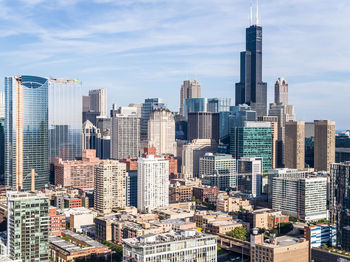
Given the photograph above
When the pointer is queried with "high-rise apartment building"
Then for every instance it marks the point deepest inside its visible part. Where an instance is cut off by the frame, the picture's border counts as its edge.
(26, 131)
(218, 170)
(28, 226)
(189, 245)
(253, 139)
(125, 139)
(98, 101)
(110, 186)
(303, 198)
(294, 150)
(324, 147)
(152, 183)
(251, 90)
(339, 202)
(147, 108)
(161, 132)
(249, 175)
(189, 89)
(281, 91)
(203, 125)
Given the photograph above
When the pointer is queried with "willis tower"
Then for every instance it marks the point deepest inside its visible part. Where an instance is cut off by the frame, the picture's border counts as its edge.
(251, 90)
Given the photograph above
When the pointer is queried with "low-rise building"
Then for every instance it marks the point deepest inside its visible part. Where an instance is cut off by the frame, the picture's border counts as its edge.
(175, 246)
(268, 218)
(223, 227)
(226, 203)
(319, 235)
(77, 246)
(72, 202)
(179, 193)
(280, 249)
(203, 193)
(57, 222)
(173, 213)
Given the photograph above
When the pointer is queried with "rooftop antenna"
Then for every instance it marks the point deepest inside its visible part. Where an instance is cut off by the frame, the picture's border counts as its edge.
(257, 12)
(251, 14)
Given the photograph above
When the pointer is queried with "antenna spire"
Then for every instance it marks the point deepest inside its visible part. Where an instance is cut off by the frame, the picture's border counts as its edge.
(251, 14)
(257, 12)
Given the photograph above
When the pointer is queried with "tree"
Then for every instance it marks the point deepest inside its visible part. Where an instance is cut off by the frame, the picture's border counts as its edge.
(239, 233)
(285, 227)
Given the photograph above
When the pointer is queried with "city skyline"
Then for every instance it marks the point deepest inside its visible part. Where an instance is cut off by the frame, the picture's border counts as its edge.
(149, 47)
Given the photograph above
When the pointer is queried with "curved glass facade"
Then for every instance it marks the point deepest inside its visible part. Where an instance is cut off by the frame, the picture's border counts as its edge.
(65, 118)
(26, 131)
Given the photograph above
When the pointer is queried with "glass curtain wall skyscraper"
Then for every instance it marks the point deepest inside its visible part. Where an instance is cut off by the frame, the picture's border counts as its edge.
(65, 117)
(251, 90)
(26, 131)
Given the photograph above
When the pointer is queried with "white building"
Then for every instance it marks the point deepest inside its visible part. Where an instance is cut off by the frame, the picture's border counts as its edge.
(161, 132)
(110, 185)
(125, 138)
(152, 183)
(174, 246)
(303, 198)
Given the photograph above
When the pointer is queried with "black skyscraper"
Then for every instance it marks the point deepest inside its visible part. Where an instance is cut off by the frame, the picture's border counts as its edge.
(251, 90)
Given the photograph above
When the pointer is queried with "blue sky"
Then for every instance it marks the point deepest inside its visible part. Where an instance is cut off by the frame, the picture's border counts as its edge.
(146, 48)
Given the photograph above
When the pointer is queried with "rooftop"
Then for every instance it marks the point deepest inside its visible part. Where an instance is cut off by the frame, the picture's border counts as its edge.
(284, 241)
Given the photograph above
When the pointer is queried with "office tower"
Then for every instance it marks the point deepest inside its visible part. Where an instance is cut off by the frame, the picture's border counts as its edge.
(303, 198)
(203, 125)
(339, 202)
(294, 151)
(125, 138)
(342, 147)
(148, 107)
(249, 175)
(253, 139)
(218, 170)
(189, 89)
(28, 226)
(180, 128)
(98, 101)
(251, 90)
(281, 91)
(191, 153)
(2, 105)
(77, 173)
(131, 188)
(152, 183)
(189, 245)
(103, 145)
(214, 105)
(138, 109)
(90, 135)
(275, 144)
(110, 186)
(324, 144)
(161, 132)
(65, 118)
(86, 103)
(26, 131)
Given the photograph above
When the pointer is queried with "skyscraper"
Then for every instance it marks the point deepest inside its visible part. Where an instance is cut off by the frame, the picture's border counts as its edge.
(214, 105)
(147, 108)
(125, 138)
(98, 101)
(251, 90)
(253, 139)
(281, 91)
(250, 175)
(294, 152)
(28, 226)
(152, 183)
(189, 89)
(26, 131)
(65, 117)
(110, 186)
(161, 132)
(324, 146)
(203, 125)
(339, 202)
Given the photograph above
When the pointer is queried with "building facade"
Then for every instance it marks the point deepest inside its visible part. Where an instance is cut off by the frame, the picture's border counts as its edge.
(98, 102)
(324, 147)
(152, 183)
(189, 89)
(28, 226)
(147, 108)
(249, 177)
(294, 150)
(203, 125)
(110, 186)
